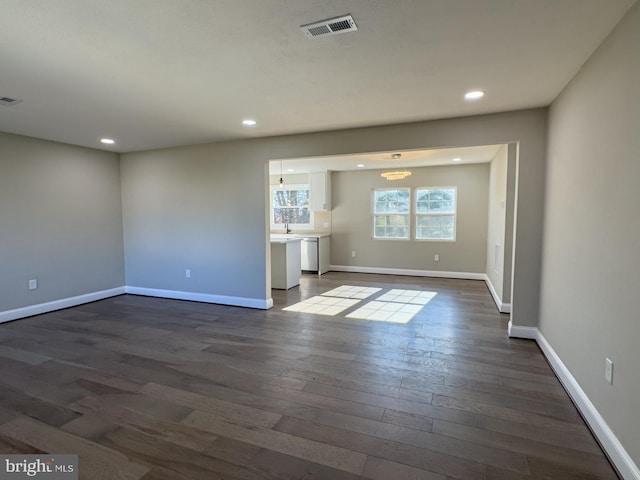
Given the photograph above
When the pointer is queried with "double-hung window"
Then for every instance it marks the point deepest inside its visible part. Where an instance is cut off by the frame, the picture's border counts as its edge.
(390, 213)
(290, 205)
(435, 213)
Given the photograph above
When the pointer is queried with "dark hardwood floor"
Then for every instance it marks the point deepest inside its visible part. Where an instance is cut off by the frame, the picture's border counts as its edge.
(156, 389)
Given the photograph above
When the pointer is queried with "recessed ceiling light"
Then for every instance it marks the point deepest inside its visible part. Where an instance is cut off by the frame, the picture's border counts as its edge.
(395, 156)
(360, 165)
(248, 123)
(291, 170)
(108, 141)
(456, 160)
(474, 95)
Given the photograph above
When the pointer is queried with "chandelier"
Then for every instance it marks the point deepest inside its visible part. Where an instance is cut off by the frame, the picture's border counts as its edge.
(396, 174)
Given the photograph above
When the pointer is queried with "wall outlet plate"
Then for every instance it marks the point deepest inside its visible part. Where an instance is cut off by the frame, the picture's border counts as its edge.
(608, 371)
(33, 284)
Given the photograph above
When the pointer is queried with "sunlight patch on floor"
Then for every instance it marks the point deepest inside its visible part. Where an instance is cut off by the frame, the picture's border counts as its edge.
(418, 297)
(351, 291)
(322, 305)
(386, 312)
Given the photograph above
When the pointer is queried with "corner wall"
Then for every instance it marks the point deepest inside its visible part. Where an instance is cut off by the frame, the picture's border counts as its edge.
(591, 262)
(203, 207)
(60, 224)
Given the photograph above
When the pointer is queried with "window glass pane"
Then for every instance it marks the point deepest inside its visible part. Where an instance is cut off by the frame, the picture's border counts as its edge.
(391, 226)
(291, 206)
(435, 213)
(422, 206)
(432, 227)
(391, 200)
(437, 200)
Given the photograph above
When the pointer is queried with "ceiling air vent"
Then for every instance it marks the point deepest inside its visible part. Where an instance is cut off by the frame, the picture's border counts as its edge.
(331, 26)
(7, 102)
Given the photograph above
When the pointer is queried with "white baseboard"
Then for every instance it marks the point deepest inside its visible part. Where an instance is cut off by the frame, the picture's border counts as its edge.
(260, 303)
(408, 271)
(515, 331)
(616, 452)
(502, 307)
(47, 307)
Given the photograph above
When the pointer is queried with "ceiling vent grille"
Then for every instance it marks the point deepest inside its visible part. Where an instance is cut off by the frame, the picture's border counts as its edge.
(7, 101)
(331, 26)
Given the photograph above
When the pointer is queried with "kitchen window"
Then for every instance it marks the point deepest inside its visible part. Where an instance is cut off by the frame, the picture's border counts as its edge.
(290, 206)
(390, 212)
(435, 213)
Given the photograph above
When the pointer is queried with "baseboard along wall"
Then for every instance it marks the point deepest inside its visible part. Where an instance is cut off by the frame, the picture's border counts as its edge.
(616, 452)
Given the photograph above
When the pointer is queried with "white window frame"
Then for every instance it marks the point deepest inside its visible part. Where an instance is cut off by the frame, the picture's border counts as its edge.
(375, 214)
(292, 226)
(417, 214)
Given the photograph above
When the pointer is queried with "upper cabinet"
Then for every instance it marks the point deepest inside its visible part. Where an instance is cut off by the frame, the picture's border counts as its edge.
(320, 191)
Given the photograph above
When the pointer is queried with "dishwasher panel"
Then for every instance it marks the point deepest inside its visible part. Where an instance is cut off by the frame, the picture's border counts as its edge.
(309, 254)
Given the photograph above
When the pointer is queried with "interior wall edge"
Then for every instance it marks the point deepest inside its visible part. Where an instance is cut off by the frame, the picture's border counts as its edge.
(502, 307)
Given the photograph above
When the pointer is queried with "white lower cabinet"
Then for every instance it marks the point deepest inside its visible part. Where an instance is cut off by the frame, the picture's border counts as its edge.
(285, 263)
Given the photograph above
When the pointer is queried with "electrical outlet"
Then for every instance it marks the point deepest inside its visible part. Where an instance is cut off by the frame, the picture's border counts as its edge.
(353, 253)
(187, 273)
(33, 284)
(436, 258)
(608, 371)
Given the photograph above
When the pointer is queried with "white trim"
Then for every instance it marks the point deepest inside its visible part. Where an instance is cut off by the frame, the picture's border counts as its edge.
(502, 307)
(260, 303)
(516, 331)
(616, 452)
(47, 307)
(408, 271)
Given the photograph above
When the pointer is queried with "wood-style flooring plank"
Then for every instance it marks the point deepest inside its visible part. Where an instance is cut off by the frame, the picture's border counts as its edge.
(317, 452)
(97, 462)
(420, 458)
(164, 389)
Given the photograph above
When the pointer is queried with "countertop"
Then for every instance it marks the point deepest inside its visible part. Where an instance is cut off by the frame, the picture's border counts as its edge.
(284, 239)
(298, 235)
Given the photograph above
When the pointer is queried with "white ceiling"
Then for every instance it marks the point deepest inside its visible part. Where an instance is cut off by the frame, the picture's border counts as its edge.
(159, 73)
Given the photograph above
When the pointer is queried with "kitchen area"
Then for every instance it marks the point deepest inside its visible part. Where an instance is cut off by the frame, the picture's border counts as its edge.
(300, 226)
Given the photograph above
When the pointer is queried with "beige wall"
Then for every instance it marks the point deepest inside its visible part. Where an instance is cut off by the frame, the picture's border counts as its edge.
(203, 207)
(591, 263)
(60, 221)
(352, 221)
(495, 246)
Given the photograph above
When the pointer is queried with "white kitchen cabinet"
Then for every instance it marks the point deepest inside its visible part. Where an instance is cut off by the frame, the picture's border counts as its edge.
(285, 263)
(324, 254)
(320, 191)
